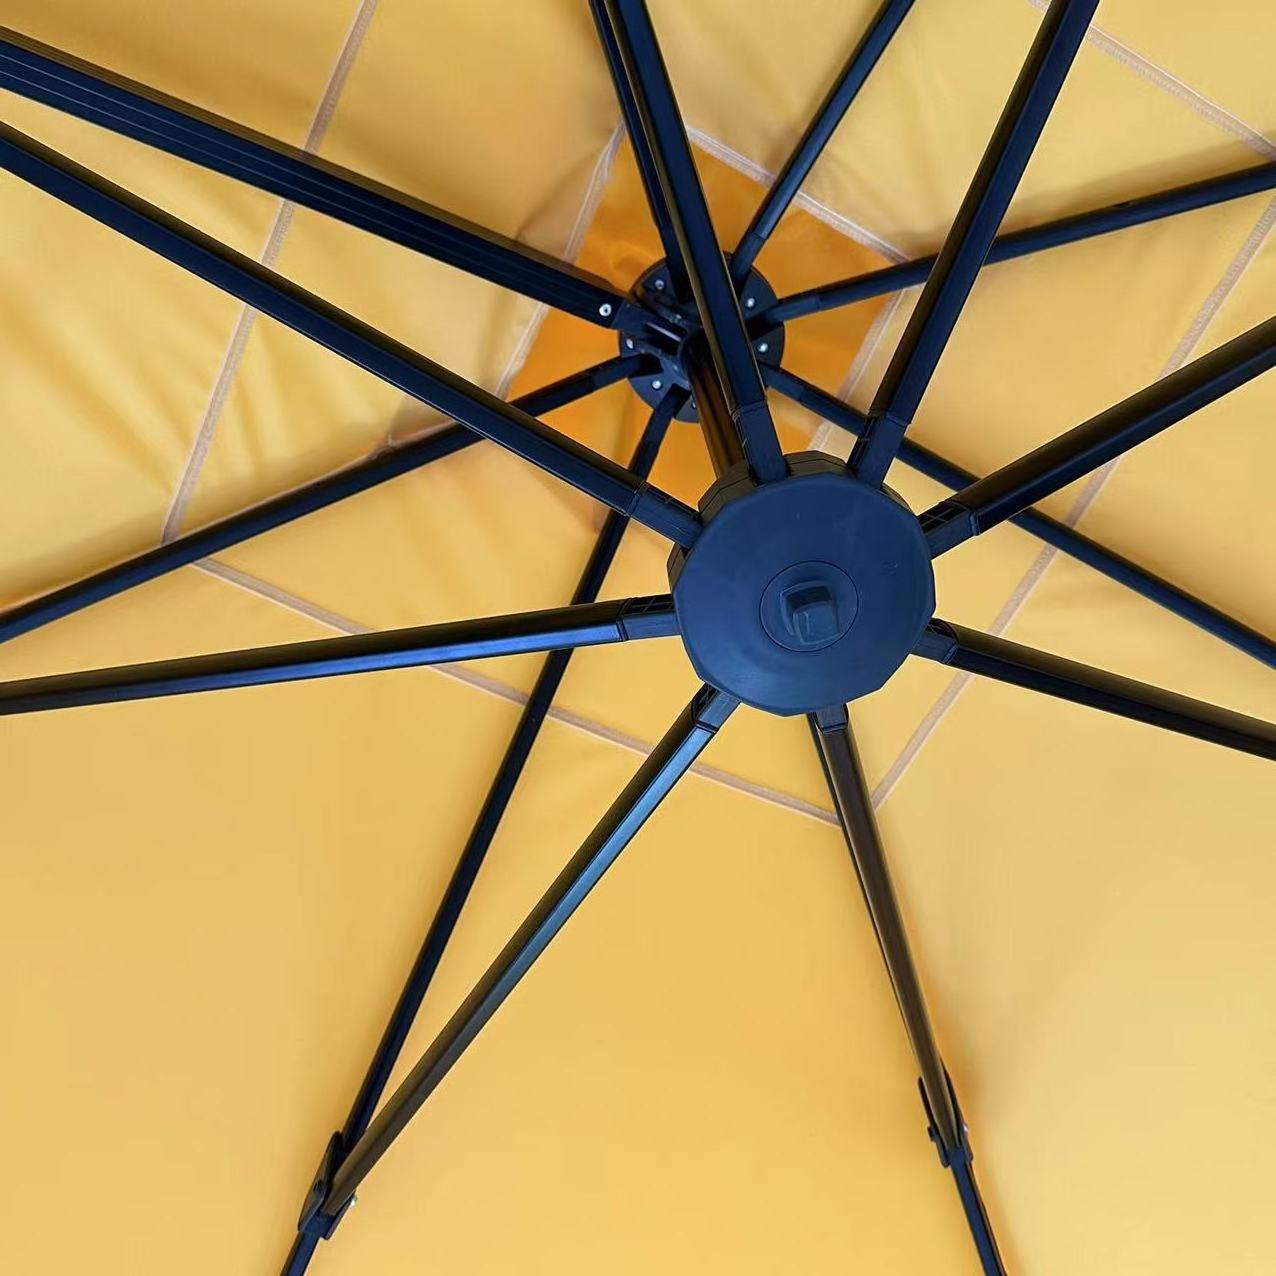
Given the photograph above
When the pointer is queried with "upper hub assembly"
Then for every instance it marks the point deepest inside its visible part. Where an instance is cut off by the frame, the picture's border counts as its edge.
(804, 593)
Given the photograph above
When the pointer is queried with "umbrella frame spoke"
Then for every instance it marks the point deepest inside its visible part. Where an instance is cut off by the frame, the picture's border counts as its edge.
(1033, 239)
(949, 283)
(278, 511)
(592, 625)
(1051, 675)
(343, 334)
(843, 92)
(848, 787)
(1070, 456)
(654, 780)
(661, 123)
(76, 87)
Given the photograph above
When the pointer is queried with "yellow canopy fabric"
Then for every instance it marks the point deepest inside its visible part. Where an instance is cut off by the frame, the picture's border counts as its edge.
(209, 903)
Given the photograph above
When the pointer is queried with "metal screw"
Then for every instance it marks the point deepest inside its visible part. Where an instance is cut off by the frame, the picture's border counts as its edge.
(605, 309)
(660, 285)
(749, 303)
(763, 347)
(657, 385)
(629, 343)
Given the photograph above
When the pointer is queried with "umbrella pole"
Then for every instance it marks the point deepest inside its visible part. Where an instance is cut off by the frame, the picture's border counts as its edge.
(377, 1077)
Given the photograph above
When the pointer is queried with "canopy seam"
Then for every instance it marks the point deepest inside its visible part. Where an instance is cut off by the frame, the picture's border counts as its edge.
(494, 687)
(233, 357)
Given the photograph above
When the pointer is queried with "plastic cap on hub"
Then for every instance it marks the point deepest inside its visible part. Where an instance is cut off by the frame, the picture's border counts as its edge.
(803, 593)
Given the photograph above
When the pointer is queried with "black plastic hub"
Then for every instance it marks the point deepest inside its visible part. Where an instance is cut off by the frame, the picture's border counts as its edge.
(654, 288)
(804, 593)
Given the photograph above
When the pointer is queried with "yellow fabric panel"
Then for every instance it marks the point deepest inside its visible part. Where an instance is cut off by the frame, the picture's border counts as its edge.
(1219, 52)
(1086, 896)
(705, 1072)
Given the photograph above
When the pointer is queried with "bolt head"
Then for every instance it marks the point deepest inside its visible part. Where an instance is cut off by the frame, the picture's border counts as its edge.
(629, 343)
(750, 302)
(657, 385)
(763, 347)
(660, 285)
(605, 309)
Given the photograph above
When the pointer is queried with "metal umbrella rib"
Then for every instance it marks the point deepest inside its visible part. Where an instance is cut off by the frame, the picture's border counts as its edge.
(580, 626)
(1004, 661)
(973, 230)
(112, 101)
(859, 66)
(490, 816)
(1033, 239)
(668, 762)
(848, 787)
(345, 335)
(1007, 491)
(710, 281)
(280, 510)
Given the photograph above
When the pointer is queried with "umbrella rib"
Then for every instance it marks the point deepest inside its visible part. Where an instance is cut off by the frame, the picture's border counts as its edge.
(280, 510)
(1082, 684)
(352, 339)
(490, 815)
(1050, 530)
(574, 626)
(112, 101)
(642, 150)
(949, 283)
(669, 761)
(844, 773)
(1023, 243)
(1011, 489)
(716, 301)
(859, 66)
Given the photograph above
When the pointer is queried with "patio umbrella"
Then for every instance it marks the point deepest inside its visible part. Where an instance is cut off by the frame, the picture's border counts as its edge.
(899, 356)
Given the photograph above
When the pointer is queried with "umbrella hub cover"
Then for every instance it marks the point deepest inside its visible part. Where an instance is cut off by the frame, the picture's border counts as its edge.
(804, 593)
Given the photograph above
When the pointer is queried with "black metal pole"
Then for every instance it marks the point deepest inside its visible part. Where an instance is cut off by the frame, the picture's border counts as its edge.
(938, 308)
(363, 345)
(1054, 465)
(818, 132)
(670, 759)
(849, 788)
(1064, 538)
(719, 431)
(1023, 243)
(92, 93)
(710, 281)
(1051, 675)
(642, 151)
(279, 510)
(584, 626)
(490, 815)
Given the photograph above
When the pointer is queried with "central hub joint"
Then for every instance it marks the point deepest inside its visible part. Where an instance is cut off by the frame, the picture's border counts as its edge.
(803, 593)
